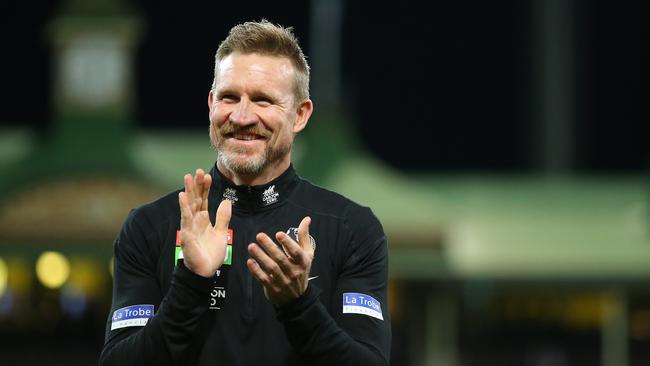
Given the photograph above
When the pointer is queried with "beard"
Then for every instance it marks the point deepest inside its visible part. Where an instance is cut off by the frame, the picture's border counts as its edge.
(241, 160)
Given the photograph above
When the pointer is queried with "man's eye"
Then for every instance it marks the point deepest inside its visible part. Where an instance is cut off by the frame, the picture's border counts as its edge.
(264, 101)
(228, 98)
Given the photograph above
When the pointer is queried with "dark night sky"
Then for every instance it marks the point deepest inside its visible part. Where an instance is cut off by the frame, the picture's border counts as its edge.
(442, 86)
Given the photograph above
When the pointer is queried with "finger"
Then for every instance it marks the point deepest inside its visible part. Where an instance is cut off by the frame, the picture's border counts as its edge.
(190, 189)
(303, 235)
(199, 175)
(207, 181)
(186, 212)
(198, 189)
(189, 183)
(224, 212)
(268, 265)
(257, 272)
(295, 251)
(274, 252)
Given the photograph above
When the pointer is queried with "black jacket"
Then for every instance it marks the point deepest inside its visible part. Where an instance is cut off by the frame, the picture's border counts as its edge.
(226, 320)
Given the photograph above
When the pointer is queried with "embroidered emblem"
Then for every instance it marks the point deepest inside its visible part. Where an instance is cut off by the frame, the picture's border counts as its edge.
(270, 196)
(230, 194)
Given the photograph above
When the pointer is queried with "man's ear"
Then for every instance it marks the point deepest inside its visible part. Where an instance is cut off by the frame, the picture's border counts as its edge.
(303, 113)
(210, 100)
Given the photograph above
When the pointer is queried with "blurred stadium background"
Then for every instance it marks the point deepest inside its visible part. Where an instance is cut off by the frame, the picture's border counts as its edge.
(503, 144)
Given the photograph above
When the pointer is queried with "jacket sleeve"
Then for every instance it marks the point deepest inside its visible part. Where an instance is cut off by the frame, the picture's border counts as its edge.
(360, 333)
(167, 335)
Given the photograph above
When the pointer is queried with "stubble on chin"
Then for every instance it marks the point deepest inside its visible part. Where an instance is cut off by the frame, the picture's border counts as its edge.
(244, 162)
(241, 165)
(238, 160)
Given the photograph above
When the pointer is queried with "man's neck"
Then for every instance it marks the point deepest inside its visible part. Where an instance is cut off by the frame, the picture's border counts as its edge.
(265, 176)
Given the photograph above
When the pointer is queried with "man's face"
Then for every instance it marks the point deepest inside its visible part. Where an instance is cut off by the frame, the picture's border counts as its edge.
(253, 113)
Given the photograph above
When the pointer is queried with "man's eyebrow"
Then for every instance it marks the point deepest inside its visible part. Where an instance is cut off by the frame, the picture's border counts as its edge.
(264, 95)
(257, 94)
(224, 91)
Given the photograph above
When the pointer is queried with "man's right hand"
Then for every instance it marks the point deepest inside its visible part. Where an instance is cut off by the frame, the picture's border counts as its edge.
(204, 245)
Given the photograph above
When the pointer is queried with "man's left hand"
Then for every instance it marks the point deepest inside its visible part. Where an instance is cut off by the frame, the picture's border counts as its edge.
(284, 277)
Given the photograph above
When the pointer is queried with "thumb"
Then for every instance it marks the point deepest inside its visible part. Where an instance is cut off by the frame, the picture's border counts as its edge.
(224, 212)
(303, 234)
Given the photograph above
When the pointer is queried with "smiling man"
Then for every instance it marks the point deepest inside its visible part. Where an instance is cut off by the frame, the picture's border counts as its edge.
(250, 264)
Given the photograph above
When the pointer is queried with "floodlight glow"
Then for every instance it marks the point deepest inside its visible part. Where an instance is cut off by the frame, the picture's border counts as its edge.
(52, 269)
(4, 275)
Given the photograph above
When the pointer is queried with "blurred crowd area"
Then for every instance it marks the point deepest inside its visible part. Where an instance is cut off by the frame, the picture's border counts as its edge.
(503, 145)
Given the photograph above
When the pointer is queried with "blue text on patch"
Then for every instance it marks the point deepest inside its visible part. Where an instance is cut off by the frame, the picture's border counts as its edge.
(132, 316)
(355, 303)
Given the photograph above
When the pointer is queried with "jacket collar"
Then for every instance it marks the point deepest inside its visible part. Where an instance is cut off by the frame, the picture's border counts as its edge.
(257, 197)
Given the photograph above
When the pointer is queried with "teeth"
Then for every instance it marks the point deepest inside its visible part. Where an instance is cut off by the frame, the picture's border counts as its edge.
(245, 137)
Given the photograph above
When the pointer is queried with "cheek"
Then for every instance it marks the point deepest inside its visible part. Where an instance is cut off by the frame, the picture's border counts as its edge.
(284, 135)
(216, 124)
(218, 116)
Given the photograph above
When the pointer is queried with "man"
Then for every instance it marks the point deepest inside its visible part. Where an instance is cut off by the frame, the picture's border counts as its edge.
(286, 273)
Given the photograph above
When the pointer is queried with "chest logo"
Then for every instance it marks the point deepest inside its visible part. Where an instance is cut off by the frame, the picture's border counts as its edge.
(230, 194)
(293, 233)
(270, 196)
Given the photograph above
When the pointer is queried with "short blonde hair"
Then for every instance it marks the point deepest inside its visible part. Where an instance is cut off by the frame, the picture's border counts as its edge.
(269, 39)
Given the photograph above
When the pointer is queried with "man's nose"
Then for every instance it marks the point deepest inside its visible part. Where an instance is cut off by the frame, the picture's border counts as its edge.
(243, 115)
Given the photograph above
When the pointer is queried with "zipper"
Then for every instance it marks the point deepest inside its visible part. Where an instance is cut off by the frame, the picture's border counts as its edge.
(248, 309)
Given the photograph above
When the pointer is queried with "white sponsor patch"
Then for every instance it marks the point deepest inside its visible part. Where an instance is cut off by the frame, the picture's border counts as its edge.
(270, 196)
(230, 194)
(132, 316)
(355, 303)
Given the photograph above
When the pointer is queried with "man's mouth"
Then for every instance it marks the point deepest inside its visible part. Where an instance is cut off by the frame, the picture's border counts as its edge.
(244, 136)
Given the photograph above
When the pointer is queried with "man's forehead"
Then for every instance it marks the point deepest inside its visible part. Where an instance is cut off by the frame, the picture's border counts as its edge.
(256, 63)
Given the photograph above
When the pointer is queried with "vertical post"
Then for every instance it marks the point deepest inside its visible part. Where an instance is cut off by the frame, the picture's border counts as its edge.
(325, 48)
(614, 331)
(553, 83)
(317, 158)
(441, 332)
